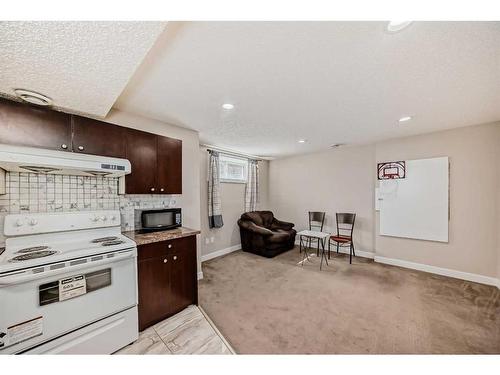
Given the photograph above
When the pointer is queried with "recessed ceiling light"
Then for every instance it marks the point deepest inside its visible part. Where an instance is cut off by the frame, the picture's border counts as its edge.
(405, 119)
(302, 140)
(33, 97)
(395, 26)
(228, 106)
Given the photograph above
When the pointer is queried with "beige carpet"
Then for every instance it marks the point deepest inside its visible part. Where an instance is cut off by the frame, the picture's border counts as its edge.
(274, 306)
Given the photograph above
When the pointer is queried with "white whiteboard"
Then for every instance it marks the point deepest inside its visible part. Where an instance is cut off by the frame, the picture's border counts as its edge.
(417, 205)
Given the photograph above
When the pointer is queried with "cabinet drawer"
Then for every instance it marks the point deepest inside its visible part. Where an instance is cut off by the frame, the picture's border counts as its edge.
(159, 249)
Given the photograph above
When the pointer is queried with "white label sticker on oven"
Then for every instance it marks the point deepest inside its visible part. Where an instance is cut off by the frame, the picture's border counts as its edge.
(24, 331)
(72, 287)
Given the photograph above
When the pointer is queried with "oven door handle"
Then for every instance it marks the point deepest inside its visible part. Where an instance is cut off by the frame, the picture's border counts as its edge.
(26, 276)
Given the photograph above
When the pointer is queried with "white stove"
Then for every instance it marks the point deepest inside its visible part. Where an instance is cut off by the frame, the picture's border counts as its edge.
(68, 284)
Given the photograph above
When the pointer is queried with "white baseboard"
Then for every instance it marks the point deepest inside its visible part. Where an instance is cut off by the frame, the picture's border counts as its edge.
(391, 261)
(221, 252)
(359, 253)
(440, 271)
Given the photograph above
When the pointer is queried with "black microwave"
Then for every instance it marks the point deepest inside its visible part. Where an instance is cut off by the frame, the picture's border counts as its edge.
(161, 219)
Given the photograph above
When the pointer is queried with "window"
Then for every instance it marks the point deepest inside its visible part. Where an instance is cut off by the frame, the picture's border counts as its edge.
(233, 169)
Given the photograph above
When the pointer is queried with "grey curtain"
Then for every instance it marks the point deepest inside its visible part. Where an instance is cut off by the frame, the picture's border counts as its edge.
(214, 202)
(252, 188)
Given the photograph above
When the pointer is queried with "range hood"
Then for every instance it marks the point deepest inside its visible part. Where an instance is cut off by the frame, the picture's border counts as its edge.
(28, 159)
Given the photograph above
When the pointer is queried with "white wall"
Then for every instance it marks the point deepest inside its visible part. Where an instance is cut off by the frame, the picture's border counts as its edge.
(498, 209)
(233, 205)
(344, 180)
(472, 245)
(337, 180)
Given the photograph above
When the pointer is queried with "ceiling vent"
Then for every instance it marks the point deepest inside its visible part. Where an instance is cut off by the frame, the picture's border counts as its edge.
(33, 97)
(337, 145)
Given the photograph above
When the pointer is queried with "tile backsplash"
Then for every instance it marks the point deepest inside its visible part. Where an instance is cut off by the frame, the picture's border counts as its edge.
(36, 192)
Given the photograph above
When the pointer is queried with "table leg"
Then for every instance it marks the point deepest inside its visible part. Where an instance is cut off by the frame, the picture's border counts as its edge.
(324, 252)
(321, 263)
(323, 255)
(300, 247)
(306, 254)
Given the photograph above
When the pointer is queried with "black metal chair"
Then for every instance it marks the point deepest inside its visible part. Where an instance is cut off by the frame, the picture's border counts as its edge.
(316, 222)
(345, 228)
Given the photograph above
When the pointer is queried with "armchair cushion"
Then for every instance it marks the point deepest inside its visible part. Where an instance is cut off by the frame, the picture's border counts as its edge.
(252, 227)
(278, 224)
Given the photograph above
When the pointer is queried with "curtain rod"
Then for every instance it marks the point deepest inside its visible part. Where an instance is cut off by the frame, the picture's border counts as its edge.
(233, 153)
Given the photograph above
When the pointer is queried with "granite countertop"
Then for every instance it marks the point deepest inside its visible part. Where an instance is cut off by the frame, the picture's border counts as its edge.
(159, 236)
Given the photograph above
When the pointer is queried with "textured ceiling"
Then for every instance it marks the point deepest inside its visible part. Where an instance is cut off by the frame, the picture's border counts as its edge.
(82, 66)
(328, 82)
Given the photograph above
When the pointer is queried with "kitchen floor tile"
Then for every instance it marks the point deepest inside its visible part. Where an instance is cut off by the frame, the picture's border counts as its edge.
(149, 342)
(188, 332)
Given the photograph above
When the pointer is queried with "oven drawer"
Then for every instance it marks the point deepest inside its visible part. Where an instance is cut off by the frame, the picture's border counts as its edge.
(158, 249)
(103, 337)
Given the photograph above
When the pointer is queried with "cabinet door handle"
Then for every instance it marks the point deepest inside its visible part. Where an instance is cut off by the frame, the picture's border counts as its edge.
(162, 189)
(80, 148)
(64, 146)
(152, 189)
(165, 260)
(169, 246)
(175, 257)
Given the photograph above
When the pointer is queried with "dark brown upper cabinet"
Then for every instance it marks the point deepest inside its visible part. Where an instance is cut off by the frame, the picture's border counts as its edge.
(142, 154)
(98, 138)
(169, 165)
(26, 125)
(156, 163)
(156, 160)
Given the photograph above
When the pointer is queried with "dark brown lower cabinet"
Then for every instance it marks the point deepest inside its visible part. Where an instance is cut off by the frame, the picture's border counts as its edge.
(167, 279)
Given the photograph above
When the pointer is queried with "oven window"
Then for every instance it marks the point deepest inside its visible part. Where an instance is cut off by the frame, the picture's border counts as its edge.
(98, 279)
(49, 292)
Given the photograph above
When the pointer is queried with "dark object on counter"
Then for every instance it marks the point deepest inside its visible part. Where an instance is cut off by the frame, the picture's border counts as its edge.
(262, 234)
(155, 220)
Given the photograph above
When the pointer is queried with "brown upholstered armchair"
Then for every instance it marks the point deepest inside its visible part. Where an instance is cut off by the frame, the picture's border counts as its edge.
(262, 234)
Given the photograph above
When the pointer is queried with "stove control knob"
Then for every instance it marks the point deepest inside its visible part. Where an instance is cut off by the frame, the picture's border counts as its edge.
(95, 219)
(19, 223)
(33, 222)
(104, 218)
(113, 218)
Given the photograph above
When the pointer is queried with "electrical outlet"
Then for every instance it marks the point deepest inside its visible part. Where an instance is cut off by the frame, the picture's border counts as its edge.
(207, 241)
(212, 239)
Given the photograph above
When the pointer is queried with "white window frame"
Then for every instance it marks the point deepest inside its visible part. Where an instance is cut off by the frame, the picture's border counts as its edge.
(237, 160)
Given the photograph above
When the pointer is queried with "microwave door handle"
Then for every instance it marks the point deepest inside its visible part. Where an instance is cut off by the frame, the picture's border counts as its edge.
(21, 277)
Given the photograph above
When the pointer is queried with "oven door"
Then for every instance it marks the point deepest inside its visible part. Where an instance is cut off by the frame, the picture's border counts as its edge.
(36, 308)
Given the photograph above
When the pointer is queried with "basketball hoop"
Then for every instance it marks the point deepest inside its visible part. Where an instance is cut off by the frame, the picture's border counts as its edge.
(391, 170)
